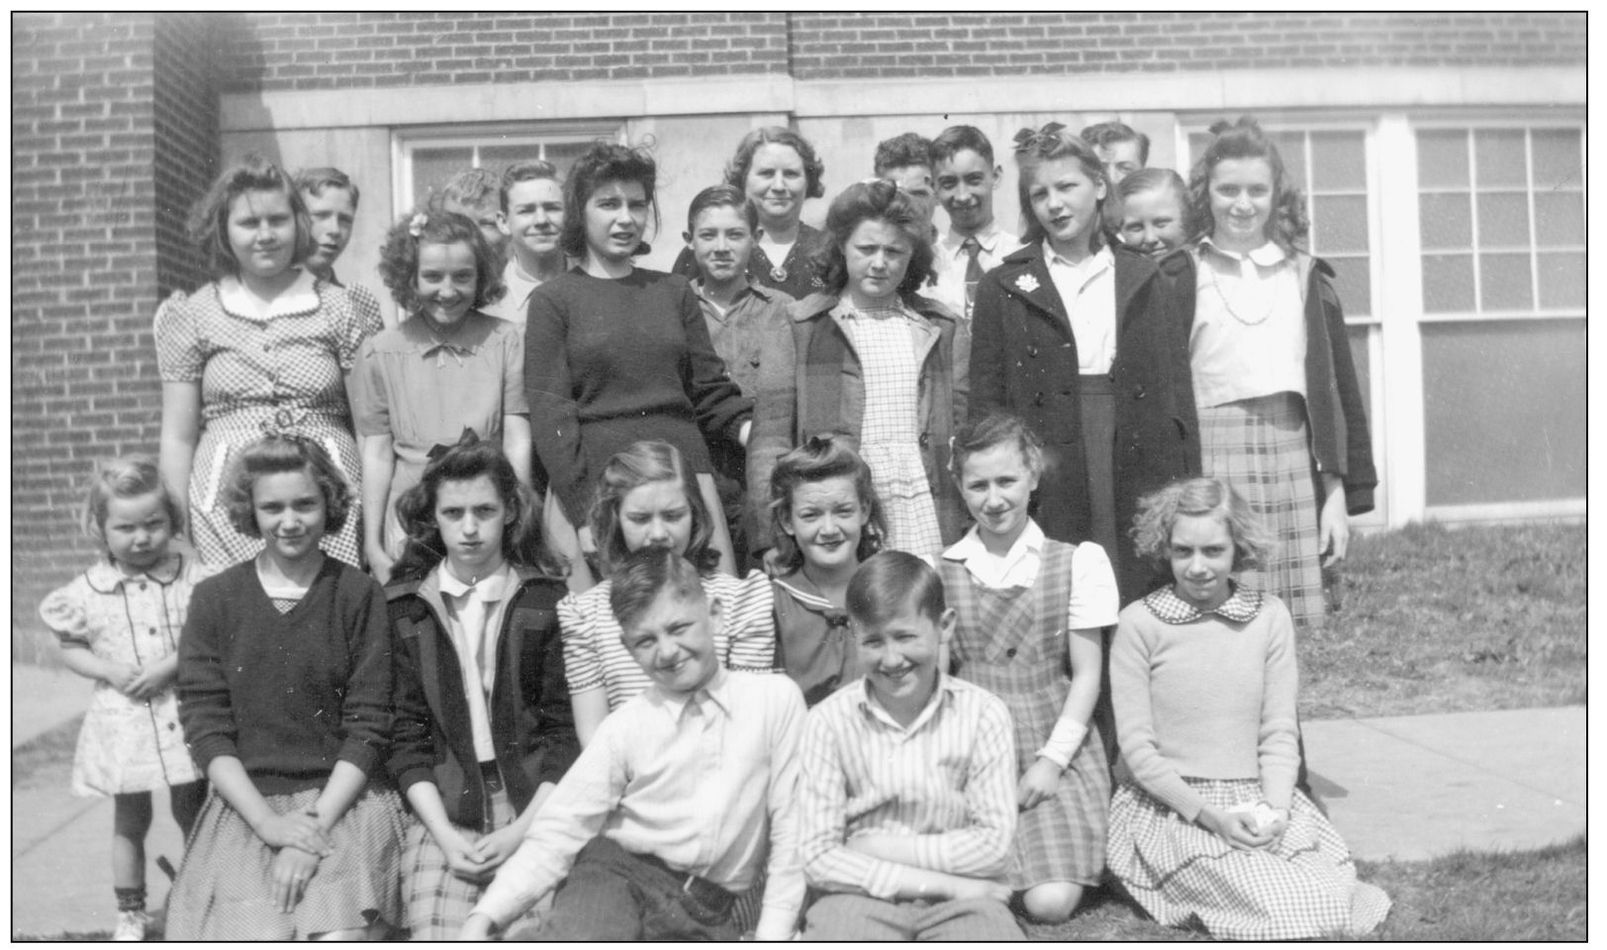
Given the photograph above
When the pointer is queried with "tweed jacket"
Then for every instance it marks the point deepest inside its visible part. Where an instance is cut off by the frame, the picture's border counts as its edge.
(1340, 441)
(532, 725)
(1024, 360)
(812, 384)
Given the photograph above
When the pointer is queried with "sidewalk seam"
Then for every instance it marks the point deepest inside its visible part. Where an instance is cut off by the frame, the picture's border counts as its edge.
(1473, 765)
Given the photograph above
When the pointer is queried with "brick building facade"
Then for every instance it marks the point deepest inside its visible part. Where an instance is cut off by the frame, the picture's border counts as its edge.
(119, 122)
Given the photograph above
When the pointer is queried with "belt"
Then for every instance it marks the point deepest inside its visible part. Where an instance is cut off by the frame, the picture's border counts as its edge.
(710, 895)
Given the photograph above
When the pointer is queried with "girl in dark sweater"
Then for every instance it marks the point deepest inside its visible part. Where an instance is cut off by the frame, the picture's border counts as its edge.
(285, 696)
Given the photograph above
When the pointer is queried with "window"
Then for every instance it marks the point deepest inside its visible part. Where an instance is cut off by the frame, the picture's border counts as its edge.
(425, 160)
(1502, 213)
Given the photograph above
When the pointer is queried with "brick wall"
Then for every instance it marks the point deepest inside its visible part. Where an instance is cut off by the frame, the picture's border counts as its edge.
(89, 225)
(272, 51)
(846, 45)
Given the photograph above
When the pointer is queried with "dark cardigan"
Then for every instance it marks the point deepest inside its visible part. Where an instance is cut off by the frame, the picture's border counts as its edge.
(532, 725)
(1340, 441)
(1024, 360)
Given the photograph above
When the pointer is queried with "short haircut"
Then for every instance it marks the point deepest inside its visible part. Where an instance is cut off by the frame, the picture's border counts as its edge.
(722, 196)
(903, 151)
(1147, 180)
(315, 180)
(638, 464)
(1051, 143)
(1109, 133)
(1158, 512)
(536, 170)
(815, 461)
(466, 461)
(209, 219)
(958, 138)
(644, 576)
(874, 200)
(472, 187)
(736, 170)
(277, 455)
(132, 476)
(1288, 225)
(890, 583)
(398, 257)
(996, 428)
(604, 162)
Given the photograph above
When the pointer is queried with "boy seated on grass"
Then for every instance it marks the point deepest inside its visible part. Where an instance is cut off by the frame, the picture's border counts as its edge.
(682, 798)
(907, 788)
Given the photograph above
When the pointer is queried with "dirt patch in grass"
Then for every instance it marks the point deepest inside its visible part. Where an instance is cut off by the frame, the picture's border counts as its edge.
(1452, 620)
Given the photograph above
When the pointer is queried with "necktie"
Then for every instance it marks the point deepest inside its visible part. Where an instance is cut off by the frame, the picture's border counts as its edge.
(973, 272)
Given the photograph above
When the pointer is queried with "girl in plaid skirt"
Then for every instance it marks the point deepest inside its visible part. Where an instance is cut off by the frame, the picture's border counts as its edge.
(1210, 829)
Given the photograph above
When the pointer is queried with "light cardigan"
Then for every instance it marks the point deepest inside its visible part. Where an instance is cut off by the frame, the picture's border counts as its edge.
(1209, 698)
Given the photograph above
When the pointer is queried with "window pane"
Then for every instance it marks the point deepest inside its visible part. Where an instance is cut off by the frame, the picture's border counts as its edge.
(433, 166)
(499, 157)
(1504, 282)
(1353, 280)
(1442, 158)
(1447, 283)
(1361, 355)
(1340, 223)
(1503, 220)
(564, 154)
(1339, 161)
(1447, 221)
(1292, 146)
(1559, 218)
(1198, 143)
(1556, 159)
(1498, 156)
(1562, 279)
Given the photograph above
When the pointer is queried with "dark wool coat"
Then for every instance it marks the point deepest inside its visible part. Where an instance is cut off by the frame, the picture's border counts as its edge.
(1024, 360)
(532, 725)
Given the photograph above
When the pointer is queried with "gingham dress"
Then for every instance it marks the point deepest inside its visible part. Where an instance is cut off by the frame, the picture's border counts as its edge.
(889, 437)
(284, 372)
(1303, 886)
(1262, 447)
(1012, 642)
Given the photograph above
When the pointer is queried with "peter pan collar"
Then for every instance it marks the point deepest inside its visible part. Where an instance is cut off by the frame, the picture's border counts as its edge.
(300, 297)
(1240, 607)
(1269, 254)
(104, 577)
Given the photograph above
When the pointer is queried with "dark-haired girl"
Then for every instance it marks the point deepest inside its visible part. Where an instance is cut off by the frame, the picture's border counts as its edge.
(483, 724)
(285, 697)
(615, 354)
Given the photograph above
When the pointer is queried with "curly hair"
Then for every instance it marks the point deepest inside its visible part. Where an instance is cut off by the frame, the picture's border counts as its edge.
(1289, 224)
(536, 170)
(468, 460)
(874, 200)
(639, 464)
(958, 138)
(208, 225)
(313, 181)
(996, 428)
(815, 461)
(278, 455)
(736, 170)
(132, 476)
(1055, 142)
(398, 258)
(1106, 134)
(1152, 527)
(902, 151)
(470, 188)
(604, 162)
(722, 196)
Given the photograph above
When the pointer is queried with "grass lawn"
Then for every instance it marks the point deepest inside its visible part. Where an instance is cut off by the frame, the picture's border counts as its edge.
(1438, 620)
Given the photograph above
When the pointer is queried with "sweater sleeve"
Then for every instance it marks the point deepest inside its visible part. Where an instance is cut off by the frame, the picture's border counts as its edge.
(1130, 654)
(1277, 749)
(412, 756)
(554, 417)
(205, 708)
(1360, 477)
(365, 714)
(716, 400)
(774, 421)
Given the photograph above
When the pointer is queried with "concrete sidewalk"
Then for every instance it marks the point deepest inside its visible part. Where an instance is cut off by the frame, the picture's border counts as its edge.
(1409, 788)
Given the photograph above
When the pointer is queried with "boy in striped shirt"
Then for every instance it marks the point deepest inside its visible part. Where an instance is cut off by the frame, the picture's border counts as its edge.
(906, 794)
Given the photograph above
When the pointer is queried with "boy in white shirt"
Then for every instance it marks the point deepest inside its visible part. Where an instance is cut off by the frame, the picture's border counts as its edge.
(966, 177)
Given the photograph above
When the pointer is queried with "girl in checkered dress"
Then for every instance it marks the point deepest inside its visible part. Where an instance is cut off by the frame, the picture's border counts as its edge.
(267, 346)
(1030, 610)
(1209, 829)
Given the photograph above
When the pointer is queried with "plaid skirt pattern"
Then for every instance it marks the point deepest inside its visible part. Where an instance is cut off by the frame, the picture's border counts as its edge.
(224, 890)
(1304, 886)
(1262, 448)
(438, 901)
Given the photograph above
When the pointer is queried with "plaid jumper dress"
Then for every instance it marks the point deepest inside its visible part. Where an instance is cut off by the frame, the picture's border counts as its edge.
(1012, 642)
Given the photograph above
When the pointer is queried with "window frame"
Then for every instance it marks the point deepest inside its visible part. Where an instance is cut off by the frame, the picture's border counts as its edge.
(405, 141)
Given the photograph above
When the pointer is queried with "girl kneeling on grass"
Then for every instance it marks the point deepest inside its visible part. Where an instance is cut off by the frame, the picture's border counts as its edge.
(285, 696)
(118, 623)
(1210, 827)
